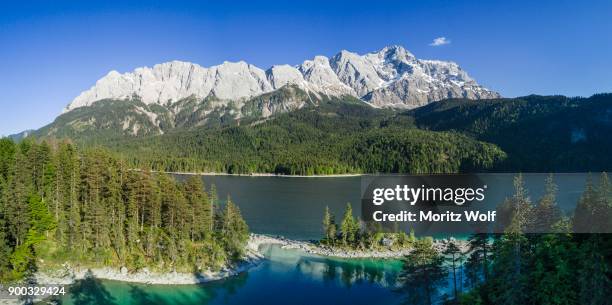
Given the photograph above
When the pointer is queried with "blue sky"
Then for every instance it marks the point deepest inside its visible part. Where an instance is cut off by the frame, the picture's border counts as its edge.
(50, 51)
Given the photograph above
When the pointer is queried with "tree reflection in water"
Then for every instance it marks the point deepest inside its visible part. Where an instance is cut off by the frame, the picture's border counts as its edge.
(90, 290)
(350, 271)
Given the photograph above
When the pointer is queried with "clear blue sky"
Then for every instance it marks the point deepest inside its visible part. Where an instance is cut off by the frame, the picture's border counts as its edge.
(50, 51)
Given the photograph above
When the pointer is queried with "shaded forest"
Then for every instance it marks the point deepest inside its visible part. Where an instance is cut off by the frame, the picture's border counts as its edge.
(513, 268)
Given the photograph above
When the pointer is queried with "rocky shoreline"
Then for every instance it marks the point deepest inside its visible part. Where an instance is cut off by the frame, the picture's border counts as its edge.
(68, 274)
(315, 249)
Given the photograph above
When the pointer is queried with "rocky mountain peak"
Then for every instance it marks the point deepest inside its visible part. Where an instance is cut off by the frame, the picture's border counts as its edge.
(390, 77)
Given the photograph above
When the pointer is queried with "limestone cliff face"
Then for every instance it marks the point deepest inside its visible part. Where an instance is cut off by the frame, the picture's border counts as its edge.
(391, 77)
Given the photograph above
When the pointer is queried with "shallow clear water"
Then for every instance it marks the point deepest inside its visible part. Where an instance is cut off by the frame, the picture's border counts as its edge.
(286, 277)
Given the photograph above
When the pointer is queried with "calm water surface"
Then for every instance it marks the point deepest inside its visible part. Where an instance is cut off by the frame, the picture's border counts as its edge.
(293, 207)
(286, 277)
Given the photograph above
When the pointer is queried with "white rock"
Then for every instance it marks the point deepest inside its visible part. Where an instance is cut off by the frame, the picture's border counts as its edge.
(391, 77)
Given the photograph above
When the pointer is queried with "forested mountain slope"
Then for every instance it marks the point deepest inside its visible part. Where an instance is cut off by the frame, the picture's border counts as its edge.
(539, 133)
(333, 138)
(344, 135)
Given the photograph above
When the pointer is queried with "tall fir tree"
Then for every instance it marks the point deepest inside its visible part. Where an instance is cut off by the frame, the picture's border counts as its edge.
(349, 226)
(422, 274)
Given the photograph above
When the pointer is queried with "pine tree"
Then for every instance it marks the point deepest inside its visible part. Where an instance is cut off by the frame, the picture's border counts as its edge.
(5, 248)
(329, 227)
(234, 230)
(116, 210)
(40, 218)
(583, 214)
(512, 250)
(602, 208)
(453, 251)
(478, 262)
(551, 273)
(422, 274)
(594, 249)
(7, 157)
(102, 213)
(213, 199)
(349, 226)
(199, 207)
(16, 201)
(546, 213)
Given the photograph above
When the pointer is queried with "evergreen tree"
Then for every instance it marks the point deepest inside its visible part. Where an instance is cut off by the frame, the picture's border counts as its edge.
(213, 199)
(5, 247)
(349, 226)
(594, 283)
(453, 252)
(102, 213)
(422, 274)
(329, 227)
(234, 230)
(551, 273)
(512, 251)
(40, 219)
(16, 201)
(602, 208)
(479, 258)
(198, 201)
(546, 213)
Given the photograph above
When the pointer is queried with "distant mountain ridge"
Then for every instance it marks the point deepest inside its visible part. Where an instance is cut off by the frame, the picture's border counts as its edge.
(21, 135)
(391, 77)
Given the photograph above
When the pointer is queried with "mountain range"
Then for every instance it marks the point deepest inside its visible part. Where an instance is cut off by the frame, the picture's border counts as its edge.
(384, 111)
(182, 95)
(391, 77)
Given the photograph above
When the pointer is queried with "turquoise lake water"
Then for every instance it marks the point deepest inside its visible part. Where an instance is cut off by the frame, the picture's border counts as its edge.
(286, 277)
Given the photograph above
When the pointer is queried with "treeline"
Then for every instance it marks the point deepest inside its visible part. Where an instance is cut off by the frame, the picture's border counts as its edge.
(351, 233)
(538, 133)
(334, 138)
(59, 204)
(516, 268)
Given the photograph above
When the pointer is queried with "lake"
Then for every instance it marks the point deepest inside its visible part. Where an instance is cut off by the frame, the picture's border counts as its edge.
(293, 207)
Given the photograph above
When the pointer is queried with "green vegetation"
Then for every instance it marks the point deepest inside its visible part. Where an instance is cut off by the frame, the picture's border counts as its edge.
(423, 272)
(538, 133)
(352, 234)
(344, 135)
(333, 138)
(554, 268)
(58, 204)
(512, 268)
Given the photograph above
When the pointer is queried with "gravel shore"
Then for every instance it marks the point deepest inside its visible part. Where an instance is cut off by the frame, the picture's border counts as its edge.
(309, 247)
(253, 257)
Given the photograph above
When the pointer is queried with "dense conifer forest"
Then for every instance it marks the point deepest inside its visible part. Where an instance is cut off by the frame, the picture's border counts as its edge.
(333, 138)
(526, 134)
(515, 267)
(60, 204)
